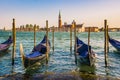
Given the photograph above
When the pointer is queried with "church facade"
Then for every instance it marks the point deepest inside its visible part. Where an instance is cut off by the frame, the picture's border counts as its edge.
(66, 27)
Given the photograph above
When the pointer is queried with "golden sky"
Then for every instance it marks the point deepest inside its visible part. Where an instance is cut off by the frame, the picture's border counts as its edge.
(89, 12)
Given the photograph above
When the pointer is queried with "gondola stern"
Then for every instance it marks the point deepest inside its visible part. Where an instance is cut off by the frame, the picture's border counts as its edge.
(22, 53)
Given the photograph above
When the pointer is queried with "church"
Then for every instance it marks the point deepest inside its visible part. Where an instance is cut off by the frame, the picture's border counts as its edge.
(66, 27)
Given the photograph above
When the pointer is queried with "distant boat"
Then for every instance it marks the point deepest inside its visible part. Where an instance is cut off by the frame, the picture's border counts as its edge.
(115, 43)
(5, 45)
(38, 54)
(83, 56)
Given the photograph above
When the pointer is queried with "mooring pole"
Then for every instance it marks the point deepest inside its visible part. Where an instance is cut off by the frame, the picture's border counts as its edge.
(89, 50)
(47, 41)
(53, 38)
(71, 38)
(75, 41)
(14, 41)
(105, 44)
(34, 35)
(107, 40)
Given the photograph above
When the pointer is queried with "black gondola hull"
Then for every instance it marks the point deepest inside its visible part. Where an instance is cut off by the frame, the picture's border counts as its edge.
(31, 61)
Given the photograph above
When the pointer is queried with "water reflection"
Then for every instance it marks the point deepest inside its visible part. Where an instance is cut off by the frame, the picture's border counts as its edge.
(4, 53)
(87, 69)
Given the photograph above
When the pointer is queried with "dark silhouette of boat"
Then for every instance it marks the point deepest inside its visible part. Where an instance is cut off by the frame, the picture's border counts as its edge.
(83, 57)
(38, 54)
(5, 45)
(115, 43)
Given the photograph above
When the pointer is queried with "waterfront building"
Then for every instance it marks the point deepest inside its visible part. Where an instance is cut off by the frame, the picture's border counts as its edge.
(66, 27)
(113, 29)
(92, 29)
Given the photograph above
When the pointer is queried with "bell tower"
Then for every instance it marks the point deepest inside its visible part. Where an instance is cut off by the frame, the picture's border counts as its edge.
(59, 21)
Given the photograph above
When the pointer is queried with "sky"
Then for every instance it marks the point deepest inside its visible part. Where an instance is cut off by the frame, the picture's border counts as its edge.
(89, 12)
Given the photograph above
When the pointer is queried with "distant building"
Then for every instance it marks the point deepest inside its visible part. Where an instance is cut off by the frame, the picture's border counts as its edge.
(59, 21)
(113, 29)
(66, 27)
(92, 29)
(79, 27)
(28, 27)
(4, 28)
(110, 29)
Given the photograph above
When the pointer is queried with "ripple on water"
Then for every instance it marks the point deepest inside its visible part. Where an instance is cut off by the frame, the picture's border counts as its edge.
(60, 60)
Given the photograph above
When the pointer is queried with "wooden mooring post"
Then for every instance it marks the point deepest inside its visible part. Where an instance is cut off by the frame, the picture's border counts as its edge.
(74, 25)
(71, 39)
(105, 44)
(34, 35)
(14, 41)
(53, 38)
(89, 50)
(107, 39)
(47, 41)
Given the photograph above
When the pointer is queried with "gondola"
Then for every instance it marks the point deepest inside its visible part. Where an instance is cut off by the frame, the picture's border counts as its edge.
(115, 43)
(38, 54)
(5, 45)
(83, 57)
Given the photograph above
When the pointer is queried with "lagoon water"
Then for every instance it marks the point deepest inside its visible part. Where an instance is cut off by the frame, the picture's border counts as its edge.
(61, 59)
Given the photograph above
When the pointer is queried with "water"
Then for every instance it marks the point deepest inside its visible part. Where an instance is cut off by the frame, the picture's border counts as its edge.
(60, 59)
